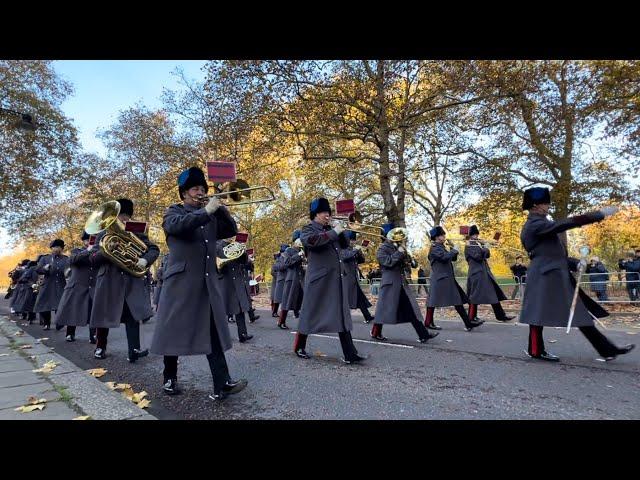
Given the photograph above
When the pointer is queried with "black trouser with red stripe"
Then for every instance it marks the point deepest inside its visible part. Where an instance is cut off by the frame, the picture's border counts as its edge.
(346, 342)
(274, 309)
(420, 329)
(428, 319)
(216, 359)
(601, 343)
(498, 311)
(362, 306)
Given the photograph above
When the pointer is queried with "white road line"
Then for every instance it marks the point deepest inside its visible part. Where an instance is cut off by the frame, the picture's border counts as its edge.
(362, 341)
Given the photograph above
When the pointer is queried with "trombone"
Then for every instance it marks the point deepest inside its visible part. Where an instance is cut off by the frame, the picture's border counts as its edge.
(353, 223)
(240, 193)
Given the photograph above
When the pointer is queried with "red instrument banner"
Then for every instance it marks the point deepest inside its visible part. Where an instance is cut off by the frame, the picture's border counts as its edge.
(497, 236)
(250, 251)
(92, 239)
(345, 207)
(242, 237)
(221, 172)
(135, 227)
(365, 243)
(464, 229)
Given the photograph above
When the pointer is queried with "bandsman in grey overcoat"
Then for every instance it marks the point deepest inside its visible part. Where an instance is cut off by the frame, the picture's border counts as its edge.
(235, 290)
(191, 317)
(274, 281)
(292, 293)
(15, 275)
(52, 267)
(120, 297)
(74, 309)
(396, 301)
(247, 271)
(353, 256)
(25, 297)
(281, 273)
(444, 289)
(482, 287)
(325, 306)
(550, 285)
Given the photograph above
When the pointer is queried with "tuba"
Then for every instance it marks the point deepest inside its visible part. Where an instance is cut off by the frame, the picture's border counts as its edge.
(231, 252)
(119, 246)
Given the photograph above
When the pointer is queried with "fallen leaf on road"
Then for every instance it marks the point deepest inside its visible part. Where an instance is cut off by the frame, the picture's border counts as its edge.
(319, 354)
(24, 347)
(83, 417)
(144, 403)
(40, 340)
(47, 367)
(111, 385)
(137, 398)
(609, 386)
(19, 333)
(128, 392)
(4, 354)
(97, 372)
(553, 341)
(122, 386)
(448, 341)
(29, 408)
(35, 400)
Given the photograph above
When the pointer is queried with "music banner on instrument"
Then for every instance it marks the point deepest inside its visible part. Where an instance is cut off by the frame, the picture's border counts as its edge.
(464, 229)
(497, 236)
(242, 237)
(135, 227)
(250, 251)
(221, 172)
(92, 239)
(345, 207)
(365, 243)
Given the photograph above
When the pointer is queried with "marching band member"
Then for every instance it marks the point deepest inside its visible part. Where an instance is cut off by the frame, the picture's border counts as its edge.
(191, 317)
(12, 293)
(353, 256)
(247, 272)
(235, 290)
(52, 267)
(292, 293)
(550, 285)
(396, 301)
(445, 291)
(281, 273)
(24, 295)
(274, 281)
(482, 287)
(120, 297)
(75, 305)
(325, 306)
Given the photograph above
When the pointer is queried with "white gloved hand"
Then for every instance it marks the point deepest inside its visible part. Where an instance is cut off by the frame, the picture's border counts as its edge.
(213, 205)
(301, 254)
(90, 247)
(142, 263)
(582, 265)
(338, 228)
(401, 249)
(610, 210)
(47, 266)
(34, 286)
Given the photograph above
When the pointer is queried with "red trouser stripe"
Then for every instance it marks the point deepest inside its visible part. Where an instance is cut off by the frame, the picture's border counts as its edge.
(473, 310)
(283, 317)
(535, 334)
(376, 330)
(428, 319)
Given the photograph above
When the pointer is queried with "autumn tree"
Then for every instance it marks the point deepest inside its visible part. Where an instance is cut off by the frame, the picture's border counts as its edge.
(537, 129)
(36, 166)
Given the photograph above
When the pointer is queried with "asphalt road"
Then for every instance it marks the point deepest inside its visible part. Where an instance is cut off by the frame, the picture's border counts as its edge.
(483, 374)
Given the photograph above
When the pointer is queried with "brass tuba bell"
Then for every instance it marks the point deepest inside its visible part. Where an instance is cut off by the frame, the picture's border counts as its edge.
(121, 247)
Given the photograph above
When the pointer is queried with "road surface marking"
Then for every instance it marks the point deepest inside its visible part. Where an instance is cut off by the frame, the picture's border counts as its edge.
(362, 341)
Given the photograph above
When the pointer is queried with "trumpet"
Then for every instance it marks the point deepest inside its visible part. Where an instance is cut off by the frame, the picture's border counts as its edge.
(240, 193)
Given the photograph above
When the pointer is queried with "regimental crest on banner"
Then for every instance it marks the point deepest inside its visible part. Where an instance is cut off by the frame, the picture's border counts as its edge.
(345, 207)
(135, 227)
(464, 230)
(221, 171)
(365, 243)
(242, 237)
